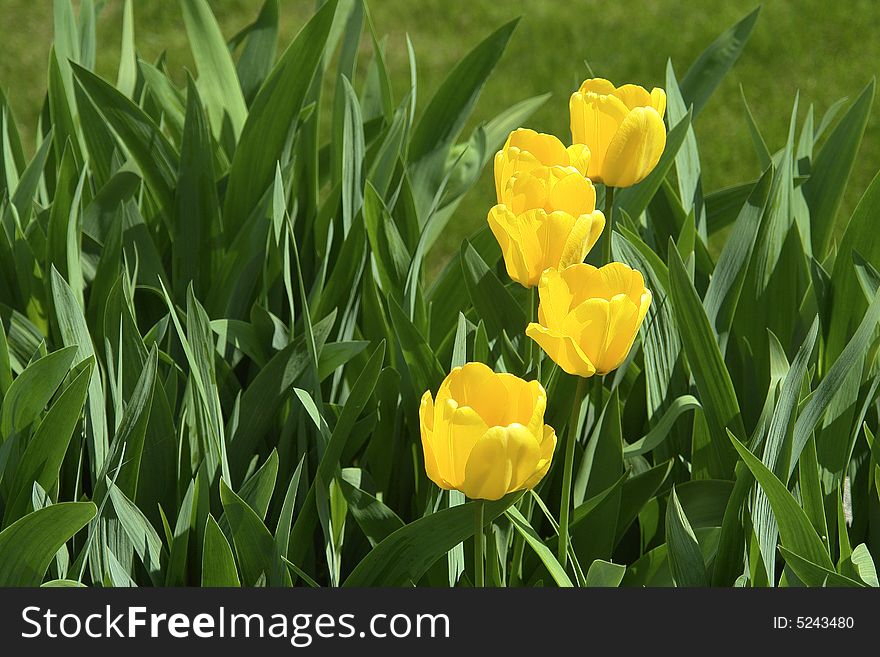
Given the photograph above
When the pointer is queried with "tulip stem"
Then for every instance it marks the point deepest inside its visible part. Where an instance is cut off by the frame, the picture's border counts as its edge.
(565, 505)
(609, 224)
(534, 356)
(479, 555)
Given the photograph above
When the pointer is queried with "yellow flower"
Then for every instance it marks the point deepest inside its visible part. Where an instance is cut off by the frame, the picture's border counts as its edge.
(588, 318)
(485, 434)
(526, 149)
(623, 128)
(546, 217)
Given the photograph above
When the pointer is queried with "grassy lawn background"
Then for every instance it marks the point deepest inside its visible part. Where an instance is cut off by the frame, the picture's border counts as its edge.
(825, 50)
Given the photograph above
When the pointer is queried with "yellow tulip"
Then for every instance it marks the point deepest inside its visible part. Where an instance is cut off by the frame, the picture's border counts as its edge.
(588, 318)
(485, 433)
(526, 149)
(623, 128)
(546, 217)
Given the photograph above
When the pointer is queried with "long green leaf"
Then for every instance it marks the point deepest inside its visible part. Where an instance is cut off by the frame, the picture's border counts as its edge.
(28, 546)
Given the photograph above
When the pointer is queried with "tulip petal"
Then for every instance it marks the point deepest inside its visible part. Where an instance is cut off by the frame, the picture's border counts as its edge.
(550, 234)
(622, 329)
(507, 163)
(618, 278)
(639, 317)
(555, 297)
(508, 233)
(583, 236)
(528, 190)
(579, 157)
(573, 194)
(633, 96)
(527, 401)
(584, 282)
(548, 445)
(589, 325)
(564, 351)
(595, 119)
(658, 101)
(545, 147)
(459, 430)
(479, 388)
(635, 149)
(596, 86)
(502, 460)
(426, 423)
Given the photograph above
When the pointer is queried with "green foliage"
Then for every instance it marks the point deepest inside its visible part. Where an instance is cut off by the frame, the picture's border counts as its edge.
(217, 321)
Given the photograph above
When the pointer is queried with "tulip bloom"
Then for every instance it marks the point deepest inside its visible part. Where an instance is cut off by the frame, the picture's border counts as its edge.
(485, 433)
(526, 149)
(546, 218)
(623, 128)
(588, 318)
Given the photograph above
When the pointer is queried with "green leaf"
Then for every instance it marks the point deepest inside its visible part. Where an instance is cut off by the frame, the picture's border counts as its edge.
(64, 133)
(407, 554)
(863, 565)
(604, 574)
(140, 532)
(154, 154)
(259, 50)
(218, 81)
(831, 170)
(218, 562)
(704, 501)
(706, 73)
(197, 219)
(779, 216)
(23, 197)
(660, 431)
(492, 301)
(765, 159)
(126, 79)
(360, 394)
(42, 458)
(167, 96)
(687, 159)
(847, 303)
(132, 427)
(600, 468)
(723, 206)
(28, 546)
(275, 108)
(449, 109)
(62, 584)
(352, 157)
(637, 492)
(725, 286)
(375, 519)
(335, 355)
(184, 528)
(713, 381)
(812, 574)
(833, 381)
(266, 393)
(389, 251)
(786, 406)
(424, 369)
(685, 556)
(282, 531)
(795, 529)
(254, 545)
(32, 390)
(534, 541)
(257, 491)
